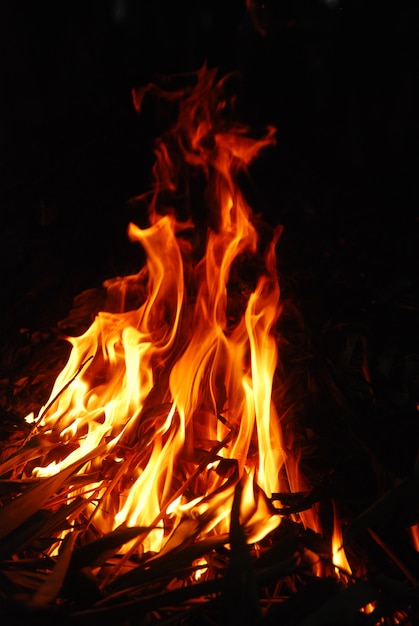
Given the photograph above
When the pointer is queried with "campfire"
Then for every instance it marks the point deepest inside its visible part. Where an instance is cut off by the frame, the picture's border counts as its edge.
(163, 479)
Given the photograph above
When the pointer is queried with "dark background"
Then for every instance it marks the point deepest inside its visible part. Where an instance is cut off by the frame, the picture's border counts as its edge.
(338, 79)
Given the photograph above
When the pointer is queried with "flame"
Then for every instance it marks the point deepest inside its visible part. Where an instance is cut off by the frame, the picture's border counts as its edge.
(177, 390)
(338, 552)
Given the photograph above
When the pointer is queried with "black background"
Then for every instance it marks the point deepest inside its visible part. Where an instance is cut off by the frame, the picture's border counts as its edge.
(338, 79)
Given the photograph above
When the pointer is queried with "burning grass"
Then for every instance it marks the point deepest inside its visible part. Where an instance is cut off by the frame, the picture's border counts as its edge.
(180, 472)
(288, 577)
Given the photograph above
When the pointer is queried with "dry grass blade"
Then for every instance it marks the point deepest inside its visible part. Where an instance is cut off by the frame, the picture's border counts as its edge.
(166, 566)
(55, 398)
(29, 451)
(42, 524)
(27, 579)
(21, 508)
(297, 501)
(343, 607)
(396, 560)
(96, 552)
(278, 571)
(198, 527)
(396, 588)
(139, 607)
(393, 501)
(12, 487)
(240, 598)
(48, 591)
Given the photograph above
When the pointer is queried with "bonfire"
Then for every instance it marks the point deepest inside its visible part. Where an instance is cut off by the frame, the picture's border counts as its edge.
(165, 478)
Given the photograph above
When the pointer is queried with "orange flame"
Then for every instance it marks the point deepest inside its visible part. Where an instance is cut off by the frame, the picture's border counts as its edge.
(338, 552)
(179, 387)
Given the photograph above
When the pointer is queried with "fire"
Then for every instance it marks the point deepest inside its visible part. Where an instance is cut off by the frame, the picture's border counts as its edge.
(175, 391)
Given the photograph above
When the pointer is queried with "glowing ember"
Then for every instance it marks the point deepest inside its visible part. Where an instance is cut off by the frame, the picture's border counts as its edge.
(175, 393)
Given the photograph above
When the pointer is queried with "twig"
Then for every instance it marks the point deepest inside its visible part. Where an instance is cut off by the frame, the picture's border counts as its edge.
(414, 581)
